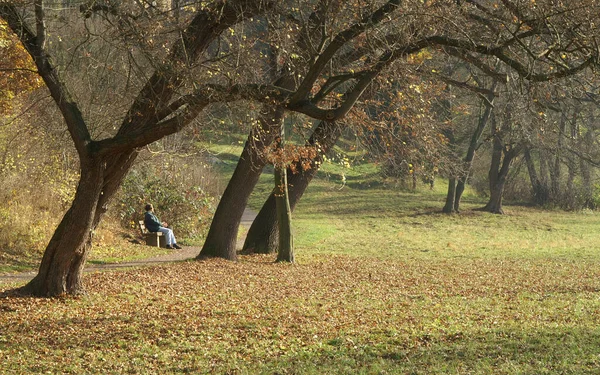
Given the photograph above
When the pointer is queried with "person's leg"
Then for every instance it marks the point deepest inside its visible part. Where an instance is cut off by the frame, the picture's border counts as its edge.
(175, 241)
(169, 237)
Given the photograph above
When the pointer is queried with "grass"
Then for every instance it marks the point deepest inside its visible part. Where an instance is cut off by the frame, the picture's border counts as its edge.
(384, 284)
(110, 247)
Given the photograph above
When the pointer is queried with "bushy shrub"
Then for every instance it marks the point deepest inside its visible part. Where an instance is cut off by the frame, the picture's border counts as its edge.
(187, 206)
(28, 216)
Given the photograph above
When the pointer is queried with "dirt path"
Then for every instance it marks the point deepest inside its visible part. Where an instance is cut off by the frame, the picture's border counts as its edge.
(188, 252)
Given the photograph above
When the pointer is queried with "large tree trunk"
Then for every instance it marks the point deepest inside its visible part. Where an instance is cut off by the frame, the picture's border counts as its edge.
(263, 236)
(62, 264)
(222, 235)
(494, 204)
(61, 269)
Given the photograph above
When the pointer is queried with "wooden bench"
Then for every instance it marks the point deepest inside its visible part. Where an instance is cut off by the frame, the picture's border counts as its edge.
(152, 238)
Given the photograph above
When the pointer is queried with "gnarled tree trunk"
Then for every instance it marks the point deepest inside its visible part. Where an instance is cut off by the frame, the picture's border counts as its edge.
(263, 236)
(62, 264)
(61, 269)
(222, 235)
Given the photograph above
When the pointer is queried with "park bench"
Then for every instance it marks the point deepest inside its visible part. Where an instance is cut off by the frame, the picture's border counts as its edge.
(152, 238)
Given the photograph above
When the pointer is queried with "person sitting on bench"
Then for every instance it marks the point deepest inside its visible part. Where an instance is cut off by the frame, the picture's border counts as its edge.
(153, 224)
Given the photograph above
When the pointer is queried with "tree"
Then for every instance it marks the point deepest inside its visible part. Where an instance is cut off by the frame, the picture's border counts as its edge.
(566, 137)
(263, 235)
(103, 163)
(221, 238)
(456, 184)
(174, 84)
(524, 36)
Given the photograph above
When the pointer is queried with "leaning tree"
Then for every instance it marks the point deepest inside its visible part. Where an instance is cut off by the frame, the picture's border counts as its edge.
(178, 63)
(536, 42)
(160, 107)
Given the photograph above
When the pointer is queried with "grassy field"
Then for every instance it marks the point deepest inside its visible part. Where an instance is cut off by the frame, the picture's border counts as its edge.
(384, 284)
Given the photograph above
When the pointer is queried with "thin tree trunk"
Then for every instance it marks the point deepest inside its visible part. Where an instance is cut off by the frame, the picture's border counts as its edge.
(571, 199)
(285, 252)
(282, 204)
(540, 193)
(586, 181)
(493, 173)
(572, 195)
(555, 171)
(263, 235)
(586, 175)
(470, 156)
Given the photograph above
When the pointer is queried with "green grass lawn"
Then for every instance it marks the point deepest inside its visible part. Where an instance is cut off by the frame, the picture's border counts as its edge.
(384, 284)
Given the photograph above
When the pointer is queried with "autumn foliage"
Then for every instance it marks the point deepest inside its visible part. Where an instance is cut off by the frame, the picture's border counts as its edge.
(17, 71)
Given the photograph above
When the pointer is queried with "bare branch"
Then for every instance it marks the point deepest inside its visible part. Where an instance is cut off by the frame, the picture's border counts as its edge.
(40, 24)
(58, 90)
(338, 42)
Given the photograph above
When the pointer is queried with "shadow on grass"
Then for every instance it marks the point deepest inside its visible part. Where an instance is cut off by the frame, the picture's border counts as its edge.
(573, 351)
(369, 204)
(19, 265)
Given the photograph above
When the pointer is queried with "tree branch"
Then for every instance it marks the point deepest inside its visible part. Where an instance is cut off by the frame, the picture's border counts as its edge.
(150, 104)
(338, 42)
(58, 90)
(514, 64)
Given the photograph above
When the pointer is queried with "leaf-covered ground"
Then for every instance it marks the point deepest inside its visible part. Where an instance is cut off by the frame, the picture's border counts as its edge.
(384, 284)
(328, 314)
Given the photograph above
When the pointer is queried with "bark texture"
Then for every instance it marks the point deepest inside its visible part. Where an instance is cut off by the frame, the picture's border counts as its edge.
(222, 235)
(263, 235)
(105, 163)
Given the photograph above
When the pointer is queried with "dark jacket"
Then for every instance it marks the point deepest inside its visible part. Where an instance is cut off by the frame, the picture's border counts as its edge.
(151, 222)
